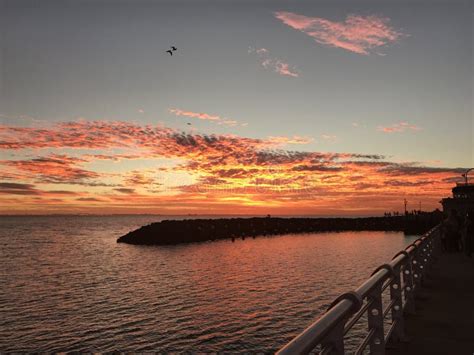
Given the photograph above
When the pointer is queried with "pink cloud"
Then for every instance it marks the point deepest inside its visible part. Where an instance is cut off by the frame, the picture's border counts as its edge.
(204, 116)
(201, 116)
(399, 127)
(284, 69)
(357, 34)
(275, 64)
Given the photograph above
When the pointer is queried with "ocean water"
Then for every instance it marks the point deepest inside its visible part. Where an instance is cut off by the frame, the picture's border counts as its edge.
(66, 285)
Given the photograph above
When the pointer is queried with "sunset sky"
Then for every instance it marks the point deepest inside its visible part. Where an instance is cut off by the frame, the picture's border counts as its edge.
(280, 107)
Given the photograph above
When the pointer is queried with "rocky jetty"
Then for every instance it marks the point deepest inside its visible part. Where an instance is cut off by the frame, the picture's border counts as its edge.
(171, 232)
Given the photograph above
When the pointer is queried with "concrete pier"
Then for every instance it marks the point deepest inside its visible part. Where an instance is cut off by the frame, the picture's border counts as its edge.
(444, 319)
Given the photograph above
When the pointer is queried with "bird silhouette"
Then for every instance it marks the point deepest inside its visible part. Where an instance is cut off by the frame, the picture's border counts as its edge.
(173, 48)
(169, 51)
(189, 124)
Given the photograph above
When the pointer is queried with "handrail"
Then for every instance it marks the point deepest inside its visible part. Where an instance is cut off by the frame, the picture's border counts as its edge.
(403, 275)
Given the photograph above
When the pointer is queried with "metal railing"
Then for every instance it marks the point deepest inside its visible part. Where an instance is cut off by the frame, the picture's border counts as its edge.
(403, 275)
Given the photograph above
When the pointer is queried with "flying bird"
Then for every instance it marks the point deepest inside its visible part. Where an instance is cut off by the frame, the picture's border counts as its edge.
(169, 51)
(189, 124)
(173, 48)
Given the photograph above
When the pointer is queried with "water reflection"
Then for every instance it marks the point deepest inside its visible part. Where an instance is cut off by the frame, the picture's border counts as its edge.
(71, 287)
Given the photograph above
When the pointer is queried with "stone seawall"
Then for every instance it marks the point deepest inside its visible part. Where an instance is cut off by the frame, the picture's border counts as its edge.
(171, 232)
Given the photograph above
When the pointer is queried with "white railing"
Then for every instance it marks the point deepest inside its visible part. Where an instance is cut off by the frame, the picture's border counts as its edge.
(403, 275)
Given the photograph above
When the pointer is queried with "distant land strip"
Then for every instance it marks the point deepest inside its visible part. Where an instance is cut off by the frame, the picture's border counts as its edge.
(170, 232)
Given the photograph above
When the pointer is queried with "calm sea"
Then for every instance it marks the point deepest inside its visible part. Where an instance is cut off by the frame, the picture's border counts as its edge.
(66, 285)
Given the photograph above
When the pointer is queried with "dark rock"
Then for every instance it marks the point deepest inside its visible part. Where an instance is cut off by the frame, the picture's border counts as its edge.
(170, 232)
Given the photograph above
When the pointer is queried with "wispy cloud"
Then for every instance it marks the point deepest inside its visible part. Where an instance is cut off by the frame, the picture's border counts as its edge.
(89, 199)
(272, 63)
(399, 127)
(17, 189)
(206, 117)
(331, 138)
(357, 34)
(200, 115)
(124, 190)
(290, 140)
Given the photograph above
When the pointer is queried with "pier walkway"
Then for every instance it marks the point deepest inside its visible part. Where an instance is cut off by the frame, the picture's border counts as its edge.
(444, 319)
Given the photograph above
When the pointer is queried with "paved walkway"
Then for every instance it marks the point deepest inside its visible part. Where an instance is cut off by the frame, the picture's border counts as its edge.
(444, 319)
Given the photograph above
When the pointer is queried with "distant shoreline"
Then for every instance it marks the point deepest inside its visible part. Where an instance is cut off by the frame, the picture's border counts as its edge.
(187, 215)
(170, 232)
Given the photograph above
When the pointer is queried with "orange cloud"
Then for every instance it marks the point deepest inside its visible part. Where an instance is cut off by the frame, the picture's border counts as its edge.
(210, 173)
(357, 34)
(53, 169)
(135, 178)
(80, 134)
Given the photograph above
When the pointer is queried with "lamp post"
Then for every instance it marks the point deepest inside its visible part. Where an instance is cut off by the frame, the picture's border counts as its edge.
(466, 181)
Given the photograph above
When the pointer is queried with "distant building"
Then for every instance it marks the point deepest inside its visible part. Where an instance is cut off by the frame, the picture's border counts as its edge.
(463, 197)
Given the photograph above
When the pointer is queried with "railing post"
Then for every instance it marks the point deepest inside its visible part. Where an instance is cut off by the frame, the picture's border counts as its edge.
(333, 343)
(436, 243)
(417, 268)
(429, 254)
(424, 258)
(423, 261)
(434, 247)
(408, 285)
(375, 320)
(398, 333)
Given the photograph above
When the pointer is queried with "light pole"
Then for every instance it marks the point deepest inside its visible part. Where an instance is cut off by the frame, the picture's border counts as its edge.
(466, 181)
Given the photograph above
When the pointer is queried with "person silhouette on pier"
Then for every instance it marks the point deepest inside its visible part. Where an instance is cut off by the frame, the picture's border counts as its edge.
(451, 232)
